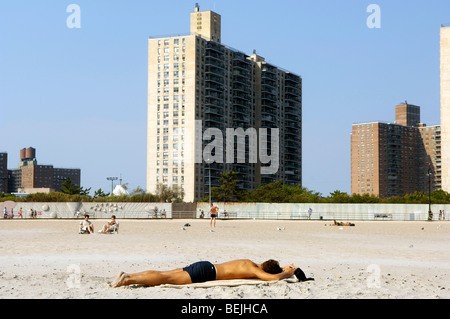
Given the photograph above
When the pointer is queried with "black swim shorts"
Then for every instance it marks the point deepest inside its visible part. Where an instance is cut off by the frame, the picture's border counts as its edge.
(201, 271)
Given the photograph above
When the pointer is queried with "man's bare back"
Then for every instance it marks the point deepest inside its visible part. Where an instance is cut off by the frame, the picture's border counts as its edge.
(246, 269)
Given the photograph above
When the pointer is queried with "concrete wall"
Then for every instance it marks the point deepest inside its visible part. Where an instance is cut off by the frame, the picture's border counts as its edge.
(94, 210)
(326, 211)
(234, 210)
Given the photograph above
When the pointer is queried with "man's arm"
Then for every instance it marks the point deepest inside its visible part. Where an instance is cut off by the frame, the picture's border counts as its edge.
(288, 272)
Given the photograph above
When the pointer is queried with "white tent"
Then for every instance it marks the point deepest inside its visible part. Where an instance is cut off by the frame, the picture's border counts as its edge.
(120, 190)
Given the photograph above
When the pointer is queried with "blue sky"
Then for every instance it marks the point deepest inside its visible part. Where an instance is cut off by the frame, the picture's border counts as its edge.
(79, 96)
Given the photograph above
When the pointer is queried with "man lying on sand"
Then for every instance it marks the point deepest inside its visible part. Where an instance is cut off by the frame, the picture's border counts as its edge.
(204, 271)
(343, 224)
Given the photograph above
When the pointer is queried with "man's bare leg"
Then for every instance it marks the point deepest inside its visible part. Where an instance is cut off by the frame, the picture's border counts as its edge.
(152, 278)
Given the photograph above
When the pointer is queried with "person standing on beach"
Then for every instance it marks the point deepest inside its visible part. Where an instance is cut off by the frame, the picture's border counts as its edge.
(309, 213)
(213, 213)
(20, 212)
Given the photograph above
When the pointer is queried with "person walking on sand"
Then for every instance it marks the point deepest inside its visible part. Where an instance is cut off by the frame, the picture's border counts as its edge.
(213, 213)
(20, 212)
(204, 271)
(309, 213)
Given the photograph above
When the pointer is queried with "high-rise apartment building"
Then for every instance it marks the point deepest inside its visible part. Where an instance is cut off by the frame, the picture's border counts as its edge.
(3, 173)
(32, 177)
(430, 144)
(407, 114)
(393, 159)
(197, 85)
(445, 106)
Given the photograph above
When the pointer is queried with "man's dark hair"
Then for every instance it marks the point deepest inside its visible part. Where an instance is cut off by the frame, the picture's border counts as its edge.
(271, 266)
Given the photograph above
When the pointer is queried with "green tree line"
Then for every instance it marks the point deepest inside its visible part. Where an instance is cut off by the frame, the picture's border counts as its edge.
(276, 192)
(73, 193)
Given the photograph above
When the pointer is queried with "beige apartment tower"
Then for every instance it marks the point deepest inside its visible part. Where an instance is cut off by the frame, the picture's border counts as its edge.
(196, 83)
(445, 106)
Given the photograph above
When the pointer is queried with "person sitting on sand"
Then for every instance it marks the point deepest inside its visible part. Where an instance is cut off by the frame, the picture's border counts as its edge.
(111, 226)
(204, 271)
(86, 226)
(342, 224)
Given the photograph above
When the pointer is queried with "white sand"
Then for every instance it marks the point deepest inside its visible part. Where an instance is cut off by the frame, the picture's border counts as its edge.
(44, 258)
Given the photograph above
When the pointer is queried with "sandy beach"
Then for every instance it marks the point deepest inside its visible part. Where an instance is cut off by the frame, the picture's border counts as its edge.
(41, 259)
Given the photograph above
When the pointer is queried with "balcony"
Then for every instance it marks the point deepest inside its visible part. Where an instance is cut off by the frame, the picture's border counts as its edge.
(214, 71)
(214, 79)
(290, 124)
(214, 111)
(214, 95)
(209, 54)
(211, 46)
(212, 120)
(242, 105)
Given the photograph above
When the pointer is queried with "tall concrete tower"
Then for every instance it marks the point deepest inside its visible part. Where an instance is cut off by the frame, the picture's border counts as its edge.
(445, 107)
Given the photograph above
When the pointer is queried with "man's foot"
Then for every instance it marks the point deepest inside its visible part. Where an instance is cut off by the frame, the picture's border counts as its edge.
(119, 280)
